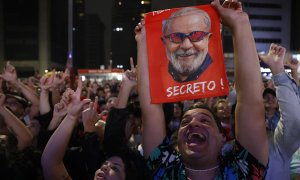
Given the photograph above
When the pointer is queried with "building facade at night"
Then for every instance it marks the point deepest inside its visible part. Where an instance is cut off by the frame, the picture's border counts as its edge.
(270, 20)
(34, 34)
(126, 15)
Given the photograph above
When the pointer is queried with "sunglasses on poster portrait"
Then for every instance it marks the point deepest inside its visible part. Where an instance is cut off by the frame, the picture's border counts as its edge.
(194, 36)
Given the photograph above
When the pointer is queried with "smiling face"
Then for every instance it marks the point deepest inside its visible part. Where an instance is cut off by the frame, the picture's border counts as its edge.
(112, 169)
(223, 111)
(187, 56)
(199, 139)
(270, 101)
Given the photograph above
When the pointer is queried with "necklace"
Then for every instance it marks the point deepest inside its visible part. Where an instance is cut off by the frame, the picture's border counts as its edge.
(202, 170)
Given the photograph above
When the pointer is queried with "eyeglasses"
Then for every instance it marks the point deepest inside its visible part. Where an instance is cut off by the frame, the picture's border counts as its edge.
(194, 36)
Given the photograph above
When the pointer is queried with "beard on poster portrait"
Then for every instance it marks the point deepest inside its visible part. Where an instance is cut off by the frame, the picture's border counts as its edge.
(193, 88)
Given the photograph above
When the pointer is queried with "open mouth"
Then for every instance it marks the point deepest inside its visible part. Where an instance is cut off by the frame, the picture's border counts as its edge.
(100, 176)
(196, 138)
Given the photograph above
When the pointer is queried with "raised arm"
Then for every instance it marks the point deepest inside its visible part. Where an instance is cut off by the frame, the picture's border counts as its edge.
(116, 134)
(59, 112)
(293, 64)
(287, 131)
(19, 130)
(52, 158)
(90, 117)
(128, 83)
(45, 84)
(250, 125)
(10, 74)
(153, 126)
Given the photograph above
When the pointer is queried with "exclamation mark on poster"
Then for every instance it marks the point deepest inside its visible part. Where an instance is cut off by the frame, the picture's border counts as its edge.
(222, 84)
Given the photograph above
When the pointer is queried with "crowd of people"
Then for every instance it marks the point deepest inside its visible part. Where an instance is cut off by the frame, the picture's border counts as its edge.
(111, 130)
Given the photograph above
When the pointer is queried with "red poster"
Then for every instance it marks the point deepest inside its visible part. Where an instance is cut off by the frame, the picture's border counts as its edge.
(185, 54)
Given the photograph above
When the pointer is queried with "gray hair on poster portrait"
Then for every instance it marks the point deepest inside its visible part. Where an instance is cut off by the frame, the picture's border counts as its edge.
(186, 34)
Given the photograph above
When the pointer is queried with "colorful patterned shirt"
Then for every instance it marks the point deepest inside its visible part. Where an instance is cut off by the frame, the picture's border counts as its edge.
(166, 163)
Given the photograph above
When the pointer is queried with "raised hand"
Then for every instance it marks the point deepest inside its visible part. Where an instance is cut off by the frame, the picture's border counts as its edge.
(60, 77)
(66, 97)
(9, 73)
(128, 83)
(73, 101)
(130, 76)
(231, 13)
(52, 159)
(275, 58)
(59, 112)
(140, 33)
(90, 116)
(46, 82)
(292, 63)
(31, 82)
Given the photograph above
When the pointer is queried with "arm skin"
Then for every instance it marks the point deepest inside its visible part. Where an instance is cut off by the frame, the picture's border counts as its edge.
(128, 83)
(10, 74)
(59, 113)
(45, 83)
(90, 117)
(52, 158)
(250, 125)
(32, 96)
(20, 131)
(115, 137)
(293, 64)
(152, 114)
(58, 82)
(52, 83)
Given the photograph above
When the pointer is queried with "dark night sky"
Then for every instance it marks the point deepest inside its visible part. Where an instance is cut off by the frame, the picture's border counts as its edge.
(104, 9)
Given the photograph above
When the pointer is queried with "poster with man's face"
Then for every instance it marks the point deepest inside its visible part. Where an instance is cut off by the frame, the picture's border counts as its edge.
(185, 54)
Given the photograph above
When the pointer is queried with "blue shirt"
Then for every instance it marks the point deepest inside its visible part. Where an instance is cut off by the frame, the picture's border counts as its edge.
(284, 141)
(272, 121)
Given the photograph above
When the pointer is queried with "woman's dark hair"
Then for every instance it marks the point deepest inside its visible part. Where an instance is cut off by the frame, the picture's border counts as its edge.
(204, 106)
(180, 104)
(135, 165)
(15, 164)
(134, 109)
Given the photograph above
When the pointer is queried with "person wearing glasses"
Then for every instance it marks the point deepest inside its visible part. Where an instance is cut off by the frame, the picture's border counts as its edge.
(185, 36)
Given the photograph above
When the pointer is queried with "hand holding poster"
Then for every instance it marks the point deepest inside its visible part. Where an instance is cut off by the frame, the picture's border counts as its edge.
(185, 54)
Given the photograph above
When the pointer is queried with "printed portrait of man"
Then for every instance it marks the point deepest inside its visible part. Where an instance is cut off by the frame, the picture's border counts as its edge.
(186, 35)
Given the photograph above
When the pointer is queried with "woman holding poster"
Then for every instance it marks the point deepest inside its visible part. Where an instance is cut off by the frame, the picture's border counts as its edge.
(200, 136)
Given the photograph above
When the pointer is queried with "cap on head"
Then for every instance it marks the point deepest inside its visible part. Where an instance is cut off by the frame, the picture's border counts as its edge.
(18, 97)
(269, 91)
